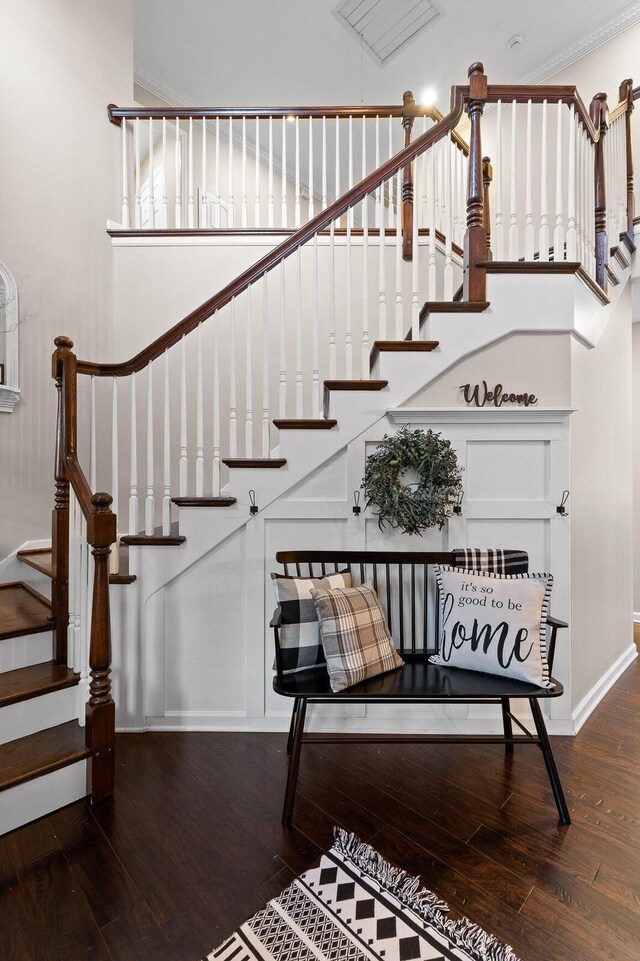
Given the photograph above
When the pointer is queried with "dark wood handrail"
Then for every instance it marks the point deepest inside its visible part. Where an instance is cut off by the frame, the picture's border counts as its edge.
(270, 260)
(552, 94)
(357, 112)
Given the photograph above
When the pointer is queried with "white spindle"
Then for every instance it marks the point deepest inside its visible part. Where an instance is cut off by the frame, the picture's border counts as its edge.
(498, 230)
(199, 417)
(432, 273)
(243, 176)
(256, 189)
(271, 198)
(415, 294)
(149, 502)
(337, 174)
(543, 254)
(311, 187)
(299, 383)
(315, 335)
(297, 197)
(93, 459)
(363, 151)
(133, 461)
(282, 392)
(248, 385)
(178, 177)
(571, 190)
(448, 194)
(191, 201)
(399, 320)
(138, 185)
(230, 165)
(266, 447)
(378, 218)
(184, 456)
(513, 201)
(125, 177)
(151, 209)
(165, 200)
(166, 451)
(233, 399)
(350, 212)
(558, 233)
(364, 365)
(324, 163)
(204, 221)
(348, 314)
(215, 467)
(216, 188)
(332, 293)
(284, 173)
(382, 276)
(529, 239)
(115, 474)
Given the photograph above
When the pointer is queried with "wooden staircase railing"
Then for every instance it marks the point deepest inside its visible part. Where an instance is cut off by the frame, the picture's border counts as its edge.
(100, 535)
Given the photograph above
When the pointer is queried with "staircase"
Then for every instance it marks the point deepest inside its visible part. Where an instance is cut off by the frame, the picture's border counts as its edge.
(315, 341)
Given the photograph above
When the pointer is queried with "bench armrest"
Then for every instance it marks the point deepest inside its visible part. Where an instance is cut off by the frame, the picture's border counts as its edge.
(556, 622)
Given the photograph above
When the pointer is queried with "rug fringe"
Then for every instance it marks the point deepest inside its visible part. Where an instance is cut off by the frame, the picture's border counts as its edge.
(478, 943)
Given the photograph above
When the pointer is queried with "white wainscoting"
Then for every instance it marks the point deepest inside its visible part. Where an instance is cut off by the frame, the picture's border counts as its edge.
(210, 667)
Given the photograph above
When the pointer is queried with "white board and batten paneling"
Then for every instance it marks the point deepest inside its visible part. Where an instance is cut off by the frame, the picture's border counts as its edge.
(218, 649)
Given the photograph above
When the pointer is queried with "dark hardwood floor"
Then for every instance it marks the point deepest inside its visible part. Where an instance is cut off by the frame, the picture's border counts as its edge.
(192, 844)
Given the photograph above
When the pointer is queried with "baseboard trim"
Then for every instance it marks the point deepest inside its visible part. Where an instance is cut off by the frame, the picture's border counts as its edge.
(590, 701)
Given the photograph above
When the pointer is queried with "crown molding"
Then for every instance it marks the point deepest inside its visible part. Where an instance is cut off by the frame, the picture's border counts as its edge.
(579, 48)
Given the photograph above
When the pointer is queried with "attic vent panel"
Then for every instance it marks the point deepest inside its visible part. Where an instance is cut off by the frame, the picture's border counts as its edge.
(386, 25)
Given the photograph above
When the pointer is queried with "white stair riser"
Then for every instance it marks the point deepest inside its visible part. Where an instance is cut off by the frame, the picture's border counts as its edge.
(38, 713)
(42, 795)
(16, 652)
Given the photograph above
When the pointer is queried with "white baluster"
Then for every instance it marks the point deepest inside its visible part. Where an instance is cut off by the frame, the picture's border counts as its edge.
(513, 202)
(399, 311)
(199, 418)
(498, 230)
(378, 219)
(284, 173)
(165, 200)
(297, 197)
(448, 259)
(348, 314)
(543, 254)
(124, 216)
(529, 239)
(266, 423)
(558, 233)
(184, 456)
(243, 177)
(149, 500)
(178, 176)
(151, 210)
(282, 393)
(571, 190)
(93, 459)
(337, 172)
(230, 165)
(315, 335)
(271, 200)
(133, 462)
(364, 365)
(257, 198)
(217, 197)
(233, 400)
(248, 423)
(166, 452)
(350, 213)
(332, 291)
(382, 276)
(115, 474)
(215, 468)
(311, 187)
(136, 147)
(299, 383)
(191, 202)
(324, 163)
(432, 272)
(415, 294)
(365, 199)
(204, 200)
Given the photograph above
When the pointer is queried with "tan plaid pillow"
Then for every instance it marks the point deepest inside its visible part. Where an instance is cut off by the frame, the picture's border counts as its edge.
(355, 637)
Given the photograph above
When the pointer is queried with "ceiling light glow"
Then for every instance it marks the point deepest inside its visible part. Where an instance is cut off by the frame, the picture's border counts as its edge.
(428, 96)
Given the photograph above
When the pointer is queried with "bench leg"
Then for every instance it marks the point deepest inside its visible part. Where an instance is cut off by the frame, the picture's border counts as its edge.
(293, 717)
(299, 712)
(506, 724)
(549, 760)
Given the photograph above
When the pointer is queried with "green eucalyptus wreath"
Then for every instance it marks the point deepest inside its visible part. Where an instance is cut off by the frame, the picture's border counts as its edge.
(434, 462)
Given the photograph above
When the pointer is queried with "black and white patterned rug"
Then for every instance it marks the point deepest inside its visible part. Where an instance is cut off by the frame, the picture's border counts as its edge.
(355, 906)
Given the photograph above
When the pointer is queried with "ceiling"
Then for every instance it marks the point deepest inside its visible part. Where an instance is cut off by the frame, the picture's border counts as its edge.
(296, 52)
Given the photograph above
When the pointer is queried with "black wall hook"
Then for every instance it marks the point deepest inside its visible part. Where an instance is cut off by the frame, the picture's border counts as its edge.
(357, 510)
(457, 507)
(253, 509)
(560, 508)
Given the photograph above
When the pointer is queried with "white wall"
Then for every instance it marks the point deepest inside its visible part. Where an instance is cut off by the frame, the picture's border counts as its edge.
(62, 62)
(635, 361)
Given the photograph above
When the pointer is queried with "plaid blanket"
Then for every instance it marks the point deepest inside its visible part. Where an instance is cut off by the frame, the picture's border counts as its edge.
(493, 560)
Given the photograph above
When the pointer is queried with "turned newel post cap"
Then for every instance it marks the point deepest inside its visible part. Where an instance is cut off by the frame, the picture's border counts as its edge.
(63, 343)
(477, 81)
(475, 68)
(407, 96)
(102, 502)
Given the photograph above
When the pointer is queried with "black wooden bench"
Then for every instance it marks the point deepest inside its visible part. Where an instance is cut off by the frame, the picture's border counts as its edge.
(407, 590)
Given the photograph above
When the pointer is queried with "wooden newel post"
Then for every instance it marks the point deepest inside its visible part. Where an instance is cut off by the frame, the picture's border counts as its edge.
(100, 711)
(487, 177)
(598, 112)
(408, 116)
(475, 240)
(60, 513)
(626, 93)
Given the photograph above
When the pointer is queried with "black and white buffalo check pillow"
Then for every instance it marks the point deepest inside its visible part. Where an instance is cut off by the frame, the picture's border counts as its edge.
(299, 636)
(494, 560)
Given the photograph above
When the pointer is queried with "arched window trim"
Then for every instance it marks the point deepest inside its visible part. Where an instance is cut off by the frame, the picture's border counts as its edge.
(10, 390)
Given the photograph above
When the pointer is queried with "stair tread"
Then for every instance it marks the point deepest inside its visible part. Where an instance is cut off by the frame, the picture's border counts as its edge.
(204, 501)
(453, 306)
(300, 423)
(23, 611)
(249, 462)
(27, 682)
(355, 384)
(40, 559)
(400, 346)
(38, 754)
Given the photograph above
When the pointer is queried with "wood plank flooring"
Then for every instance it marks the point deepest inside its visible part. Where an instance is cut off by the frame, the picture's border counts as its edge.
(192, 844)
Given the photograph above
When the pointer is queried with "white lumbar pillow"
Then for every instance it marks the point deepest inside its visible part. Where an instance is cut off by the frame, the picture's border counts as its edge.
(494, 623)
